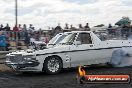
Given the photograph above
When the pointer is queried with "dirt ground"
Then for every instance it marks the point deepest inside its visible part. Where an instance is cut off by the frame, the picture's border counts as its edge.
(65, 79)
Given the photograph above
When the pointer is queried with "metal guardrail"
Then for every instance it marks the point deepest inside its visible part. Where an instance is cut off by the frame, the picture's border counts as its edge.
(5, 52)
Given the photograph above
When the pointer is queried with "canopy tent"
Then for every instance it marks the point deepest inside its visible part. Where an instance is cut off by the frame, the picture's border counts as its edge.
(123, 22)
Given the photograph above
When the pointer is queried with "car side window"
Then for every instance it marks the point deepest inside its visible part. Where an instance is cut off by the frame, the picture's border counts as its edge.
(84, 38)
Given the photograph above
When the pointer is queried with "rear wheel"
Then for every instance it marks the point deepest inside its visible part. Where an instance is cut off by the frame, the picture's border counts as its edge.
(52, 65)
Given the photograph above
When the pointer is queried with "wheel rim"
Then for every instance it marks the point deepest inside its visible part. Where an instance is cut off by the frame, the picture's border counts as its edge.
(53, 65)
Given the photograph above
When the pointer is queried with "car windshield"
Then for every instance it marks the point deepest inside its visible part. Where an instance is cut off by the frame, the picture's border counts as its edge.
(52, 41)
(69, 39)
(60, 39)
(57, 38)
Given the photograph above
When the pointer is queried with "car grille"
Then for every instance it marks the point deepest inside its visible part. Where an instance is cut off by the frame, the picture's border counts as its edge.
(16, 58)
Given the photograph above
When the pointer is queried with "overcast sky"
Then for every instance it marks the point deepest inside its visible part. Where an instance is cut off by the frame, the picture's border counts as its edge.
(44, 13)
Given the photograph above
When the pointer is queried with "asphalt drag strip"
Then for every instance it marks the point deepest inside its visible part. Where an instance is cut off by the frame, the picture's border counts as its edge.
(65, 79)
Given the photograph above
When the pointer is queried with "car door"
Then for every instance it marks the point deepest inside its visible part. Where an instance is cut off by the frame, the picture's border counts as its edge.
(81, 54)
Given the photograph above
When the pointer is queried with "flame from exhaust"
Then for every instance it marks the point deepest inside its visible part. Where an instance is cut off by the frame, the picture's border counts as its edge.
(81, 71)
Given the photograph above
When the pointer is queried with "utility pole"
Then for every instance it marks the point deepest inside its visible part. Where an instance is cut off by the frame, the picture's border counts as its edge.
(16, 21)
(16, 13)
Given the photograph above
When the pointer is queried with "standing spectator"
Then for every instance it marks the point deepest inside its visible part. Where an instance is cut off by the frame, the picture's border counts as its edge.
(87, 28)
(19, 27)
(72, 28)
(24, 28)
(51, 33)
(81, 28)
(24, 31)
(58, 29)
(27, 39)
(125, 30)
(20, 34)
(1, 27)
(15, 28)
(66, 27)
(110, 29)
(7, 27)
(3, 43)
(110, 26)
(30, 29)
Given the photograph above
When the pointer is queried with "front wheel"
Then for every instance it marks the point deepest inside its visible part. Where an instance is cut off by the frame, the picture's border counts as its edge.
(52, 65)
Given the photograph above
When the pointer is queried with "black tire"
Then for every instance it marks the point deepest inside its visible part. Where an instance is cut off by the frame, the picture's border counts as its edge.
(52, 59)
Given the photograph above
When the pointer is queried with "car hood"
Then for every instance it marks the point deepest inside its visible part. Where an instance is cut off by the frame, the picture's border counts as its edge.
(23, 52)
(45, 51)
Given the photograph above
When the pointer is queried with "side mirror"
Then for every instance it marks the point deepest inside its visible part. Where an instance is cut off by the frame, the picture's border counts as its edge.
(77, 43)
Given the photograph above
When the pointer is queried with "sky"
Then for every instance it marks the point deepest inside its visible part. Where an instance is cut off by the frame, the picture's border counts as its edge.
(48, 13)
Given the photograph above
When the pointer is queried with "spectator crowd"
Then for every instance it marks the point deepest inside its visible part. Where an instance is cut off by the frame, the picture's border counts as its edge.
(29, 33)
(8, 34)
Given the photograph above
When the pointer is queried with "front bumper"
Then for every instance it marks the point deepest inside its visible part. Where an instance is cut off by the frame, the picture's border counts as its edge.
(26, 66)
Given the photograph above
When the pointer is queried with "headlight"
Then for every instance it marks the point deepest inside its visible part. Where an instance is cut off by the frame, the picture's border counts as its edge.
(7, 58)
(29, 57)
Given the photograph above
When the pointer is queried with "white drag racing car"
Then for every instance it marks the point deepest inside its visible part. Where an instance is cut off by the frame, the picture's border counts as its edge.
(77, 48)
